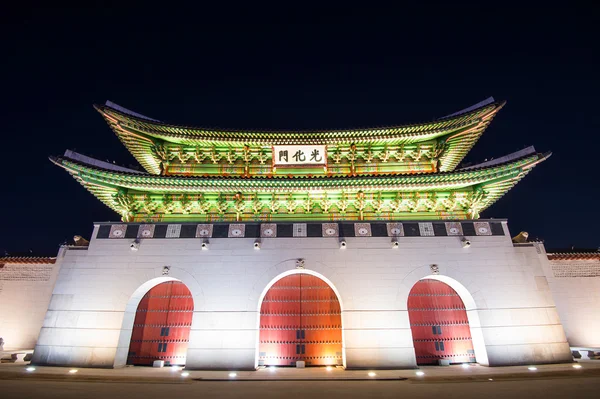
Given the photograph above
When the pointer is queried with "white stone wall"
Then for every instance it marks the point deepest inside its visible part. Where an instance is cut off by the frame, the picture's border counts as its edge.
(511, 311)
(575, 287)
(25, 291)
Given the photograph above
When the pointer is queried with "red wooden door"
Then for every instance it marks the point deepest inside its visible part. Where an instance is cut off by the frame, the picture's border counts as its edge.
(161, 329)
(439, 324)
(300, 319)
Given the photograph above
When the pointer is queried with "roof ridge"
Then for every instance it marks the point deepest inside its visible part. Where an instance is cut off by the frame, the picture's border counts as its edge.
(96, 162)
(481, 104)
(124, 110)
(27, 259)
(503, 159)
(575, 253)
(127, 112)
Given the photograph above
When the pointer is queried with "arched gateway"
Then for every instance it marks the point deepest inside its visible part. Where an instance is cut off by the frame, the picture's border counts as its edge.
(439, 324)
(300, 320)
(161, 329)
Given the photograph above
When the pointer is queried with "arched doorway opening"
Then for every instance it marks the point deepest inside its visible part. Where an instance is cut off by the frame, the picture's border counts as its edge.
(439, 324)
(300, 320)
(161, 329)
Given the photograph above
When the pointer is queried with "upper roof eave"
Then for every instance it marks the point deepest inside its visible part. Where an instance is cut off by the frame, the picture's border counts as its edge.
(459, 132)
(112, 108)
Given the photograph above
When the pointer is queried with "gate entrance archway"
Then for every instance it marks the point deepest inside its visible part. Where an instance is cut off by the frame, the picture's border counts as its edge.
(300, 320)
(161, 329)
(439, 324)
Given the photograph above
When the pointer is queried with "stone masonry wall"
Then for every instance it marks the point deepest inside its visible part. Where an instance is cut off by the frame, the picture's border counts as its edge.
(512, 314)
(25, 291)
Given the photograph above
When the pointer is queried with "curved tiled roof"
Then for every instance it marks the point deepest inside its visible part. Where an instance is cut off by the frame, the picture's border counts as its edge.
(574, 256)
(495, 179)
(460, 131)
(26, 260)
(130, 180)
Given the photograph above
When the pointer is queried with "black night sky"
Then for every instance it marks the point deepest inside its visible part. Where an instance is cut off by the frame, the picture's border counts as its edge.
(299, 68)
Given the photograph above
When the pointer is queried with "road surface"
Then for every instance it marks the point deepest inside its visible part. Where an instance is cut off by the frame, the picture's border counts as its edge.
(581, 387)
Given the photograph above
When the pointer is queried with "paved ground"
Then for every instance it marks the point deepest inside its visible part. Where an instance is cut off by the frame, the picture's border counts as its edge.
(582, 387)
(548, 381)
(176, 374)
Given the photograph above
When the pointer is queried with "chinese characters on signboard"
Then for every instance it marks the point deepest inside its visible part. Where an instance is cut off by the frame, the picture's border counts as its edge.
(299, 155)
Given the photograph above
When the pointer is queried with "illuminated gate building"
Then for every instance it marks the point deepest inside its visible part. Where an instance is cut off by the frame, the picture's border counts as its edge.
(362, 248)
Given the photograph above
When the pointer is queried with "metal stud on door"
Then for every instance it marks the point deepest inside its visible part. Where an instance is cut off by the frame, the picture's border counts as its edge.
(300, 320)
(439, 324)
(162, 325)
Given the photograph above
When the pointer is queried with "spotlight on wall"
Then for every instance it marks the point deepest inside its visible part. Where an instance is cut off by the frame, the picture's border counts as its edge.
(135, 245)
(343, 244)
(205, 245)
(257, 244)
(465, 243)
(395, 244)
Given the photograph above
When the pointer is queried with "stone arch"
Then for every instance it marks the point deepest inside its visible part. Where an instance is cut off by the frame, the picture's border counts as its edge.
(283, 275)
(135, 298)
(466, 296)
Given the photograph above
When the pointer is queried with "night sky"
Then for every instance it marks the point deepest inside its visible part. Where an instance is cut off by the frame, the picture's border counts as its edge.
(298, 68)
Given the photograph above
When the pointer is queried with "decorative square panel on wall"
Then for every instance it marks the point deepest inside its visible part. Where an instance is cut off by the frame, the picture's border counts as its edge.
(497, 229)
(411, 229)
(132, 231)
(285, 230)
(482, 228)
(146, 231)
(103, 231)
(220, 231)
(299, 229)
(312, 229)
(330, 230)
(426, 229)
(439, 229)
(160, 231)
(468, 228)
(173, 230)
(188, 231)
(252, 230)
(204, 231)
(346, 230)
(395, 230)
(236, 230)
(117, 231)
(362, 229)
(379, 230)
(268, 230)
(454, 229)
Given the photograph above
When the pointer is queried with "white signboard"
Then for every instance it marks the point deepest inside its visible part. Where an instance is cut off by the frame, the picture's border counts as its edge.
(299, 155)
